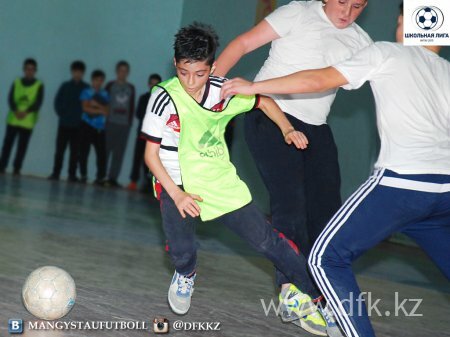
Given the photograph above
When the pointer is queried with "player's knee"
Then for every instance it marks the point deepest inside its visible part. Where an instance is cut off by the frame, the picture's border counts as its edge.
(333, 257)
(328, 256)
(264, 245)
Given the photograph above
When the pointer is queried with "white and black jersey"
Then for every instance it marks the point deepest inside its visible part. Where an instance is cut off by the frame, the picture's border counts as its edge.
(162, 126)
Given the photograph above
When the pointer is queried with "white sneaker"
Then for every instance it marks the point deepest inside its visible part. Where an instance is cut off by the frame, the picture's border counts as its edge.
(180, 293)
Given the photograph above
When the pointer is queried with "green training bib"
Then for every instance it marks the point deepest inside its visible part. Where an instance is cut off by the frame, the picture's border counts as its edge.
(204, 159)
(24, 97)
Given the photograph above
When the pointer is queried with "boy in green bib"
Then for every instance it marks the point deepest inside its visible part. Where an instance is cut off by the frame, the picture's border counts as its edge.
(25, 100)
(186, 151)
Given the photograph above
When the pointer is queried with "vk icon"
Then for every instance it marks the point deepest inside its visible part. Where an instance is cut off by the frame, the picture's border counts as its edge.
(15, 326)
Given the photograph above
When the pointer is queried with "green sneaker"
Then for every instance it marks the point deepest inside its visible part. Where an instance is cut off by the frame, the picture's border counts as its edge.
(313, 323)
(294, 304)
(333, 329)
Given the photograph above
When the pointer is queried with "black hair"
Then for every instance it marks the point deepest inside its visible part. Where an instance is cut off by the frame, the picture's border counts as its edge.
(154, 77)
(324, 1)
(31, 62)
(401, 8)
(196, 42)
(122, 63)
(98, 73)
(78, 65)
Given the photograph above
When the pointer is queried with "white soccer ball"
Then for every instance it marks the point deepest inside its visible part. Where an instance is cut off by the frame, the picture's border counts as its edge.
(49, 293)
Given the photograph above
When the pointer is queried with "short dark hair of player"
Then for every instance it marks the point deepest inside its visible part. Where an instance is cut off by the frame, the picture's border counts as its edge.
(122, 63)
(325, 1)
(98, 73)
(30, 62)
(78, 65)
(154, 77)
(401, 8)
(196, 42)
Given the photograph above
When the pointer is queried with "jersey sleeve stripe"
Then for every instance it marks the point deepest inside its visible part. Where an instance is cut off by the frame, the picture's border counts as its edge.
(162, 105)
(217, 79)
(149, 138)
(217, 85)
(161, 97)
(169, 148)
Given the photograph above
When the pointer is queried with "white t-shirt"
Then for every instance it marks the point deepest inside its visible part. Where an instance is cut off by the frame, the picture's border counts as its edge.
(411, 86)
(162, 126)
(308, 40)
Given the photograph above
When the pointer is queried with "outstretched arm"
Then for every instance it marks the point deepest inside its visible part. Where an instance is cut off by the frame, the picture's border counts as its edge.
(307, 81)
(258, 36)
(273, 111)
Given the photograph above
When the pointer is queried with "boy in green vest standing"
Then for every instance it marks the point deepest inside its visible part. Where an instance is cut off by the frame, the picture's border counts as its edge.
(186, 151)
(25, 100)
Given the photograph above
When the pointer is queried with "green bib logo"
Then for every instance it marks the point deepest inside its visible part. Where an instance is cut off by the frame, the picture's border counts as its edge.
(23, 103)
(212, 146)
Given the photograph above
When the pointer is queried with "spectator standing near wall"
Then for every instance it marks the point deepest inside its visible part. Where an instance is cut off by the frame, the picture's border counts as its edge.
(139, 147)
(94, 101)
(68, 108)
(25, 100)
(119, 121)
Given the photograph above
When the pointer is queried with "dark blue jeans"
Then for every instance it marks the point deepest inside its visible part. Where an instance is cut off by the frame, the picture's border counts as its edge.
(88, 136)
(67, 136)
(304, 186)
(247, 222)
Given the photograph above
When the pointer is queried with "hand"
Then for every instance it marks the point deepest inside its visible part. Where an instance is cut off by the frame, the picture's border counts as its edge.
(237, 86)
(297, 138)
(95, 104)
(185, 203)
(21, 114)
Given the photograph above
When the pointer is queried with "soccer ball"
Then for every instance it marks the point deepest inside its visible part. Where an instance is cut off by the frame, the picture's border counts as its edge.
(427, 18)
(49, 293)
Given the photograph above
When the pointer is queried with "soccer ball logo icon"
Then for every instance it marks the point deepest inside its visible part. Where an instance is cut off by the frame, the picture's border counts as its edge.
(428, 18)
